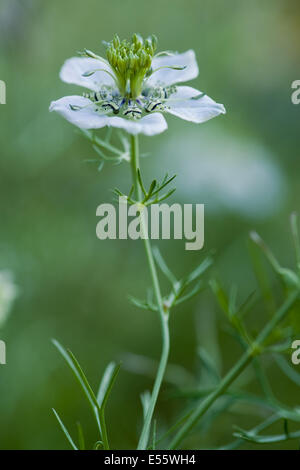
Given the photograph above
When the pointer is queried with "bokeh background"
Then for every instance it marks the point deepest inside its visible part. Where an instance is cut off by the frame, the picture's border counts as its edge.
(244, 166)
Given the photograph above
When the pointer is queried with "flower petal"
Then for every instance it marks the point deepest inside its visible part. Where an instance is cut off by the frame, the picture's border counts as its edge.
(191, 105)
(86, 118)
(151, 124)
(72, 70)
(89, 118)
(168, 76)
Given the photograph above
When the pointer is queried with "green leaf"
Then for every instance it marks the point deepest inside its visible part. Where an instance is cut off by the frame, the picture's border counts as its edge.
(261, 275)
(234, 314)
(141, 182)
(193, 292)
(288, 370)
(232, 301)
(260, 427)
(242, 434)
(240, 396)
(289, 277)
(165, 196)
(151, 188)
(78, 372)
(163, 266)
(100, 166)
(107, 382)
(220, 295)
(131, 191)
(145, 399)
(174, 428)
(246, 305)
(194, 275)
(98, 445)
(103, 144)
(65, 431)
(80, 436)
(142, 304)
(99, 152)
(154, 434)
(164, 183)
(286, 427)
(208, 365)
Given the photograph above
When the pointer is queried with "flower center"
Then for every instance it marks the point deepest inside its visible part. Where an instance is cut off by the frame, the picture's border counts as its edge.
(131, 61)
(150, 100)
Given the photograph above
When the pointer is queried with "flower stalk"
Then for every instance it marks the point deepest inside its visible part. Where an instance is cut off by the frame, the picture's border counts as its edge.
(163, 312)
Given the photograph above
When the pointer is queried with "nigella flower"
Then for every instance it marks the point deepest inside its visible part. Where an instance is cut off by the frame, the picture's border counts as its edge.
(133, 87)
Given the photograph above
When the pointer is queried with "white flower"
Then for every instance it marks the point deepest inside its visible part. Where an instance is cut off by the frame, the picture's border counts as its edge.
(8, 293)
(132, 88)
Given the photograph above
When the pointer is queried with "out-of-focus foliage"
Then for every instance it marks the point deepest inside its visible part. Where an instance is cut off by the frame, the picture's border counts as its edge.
(73, 286)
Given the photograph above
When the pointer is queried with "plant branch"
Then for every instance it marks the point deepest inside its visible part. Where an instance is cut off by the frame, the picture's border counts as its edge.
(236, 370)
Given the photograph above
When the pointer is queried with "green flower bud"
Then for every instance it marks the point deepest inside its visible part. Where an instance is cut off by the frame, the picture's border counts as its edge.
(130, 60)
(154, 42)
(116, 41)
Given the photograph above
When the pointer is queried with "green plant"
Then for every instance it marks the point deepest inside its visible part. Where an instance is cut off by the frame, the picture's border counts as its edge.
(132, 91)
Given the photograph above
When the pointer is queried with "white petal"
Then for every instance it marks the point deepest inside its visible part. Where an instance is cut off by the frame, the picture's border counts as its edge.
(72, 70)
(168, 76)
(151, 124)
(86, 118)
(184, 93)
(185, 104)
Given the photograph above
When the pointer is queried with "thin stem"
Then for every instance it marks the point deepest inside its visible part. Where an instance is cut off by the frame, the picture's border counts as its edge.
(236, 370)
(103, 430)
(106, 145)
(163, 314)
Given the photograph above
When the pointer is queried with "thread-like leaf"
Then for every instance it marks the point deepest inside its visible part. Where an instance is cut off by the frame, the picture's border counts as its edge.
(196, 273)
(107, 382)
(291, 373)
(64, 430)
(81, 440)
(163, 266)
(208, 364)
(145, 399)
(78, 372)
(221, 295)
(242, 434)
(142, 304)
(196, 289)
(141, 182)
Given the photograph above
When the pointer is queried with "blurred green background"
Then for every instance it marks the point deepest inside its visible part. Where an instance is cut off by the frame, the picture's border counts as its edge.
(244, 166)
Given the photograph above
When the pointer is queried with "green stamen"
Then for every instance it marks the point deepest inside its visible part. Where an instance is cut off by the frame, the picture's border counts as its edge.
(131, 61)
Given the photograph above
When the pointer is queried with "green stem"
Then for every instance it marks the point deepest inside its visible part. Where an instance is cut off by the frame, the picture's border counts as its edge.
(236, 370)
(163, 314)
(103, 430)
